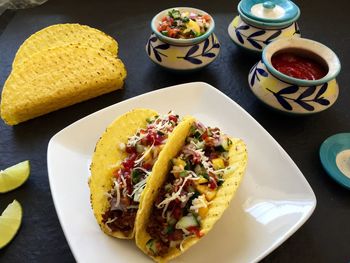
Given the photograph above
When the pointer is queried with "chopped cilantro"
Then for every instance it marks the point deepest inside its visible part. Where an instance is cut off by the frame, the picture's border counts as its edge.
(185, 19)
(175, 14)
(136, 176)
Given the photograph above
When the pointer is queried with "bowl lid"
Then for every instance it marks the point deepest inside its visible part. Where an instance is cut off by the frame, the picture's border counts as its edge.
(269, 11)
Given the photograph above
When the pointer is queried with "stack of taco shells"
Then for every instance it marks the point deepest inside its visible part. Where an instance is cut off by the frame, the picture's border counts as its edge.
(59, 66)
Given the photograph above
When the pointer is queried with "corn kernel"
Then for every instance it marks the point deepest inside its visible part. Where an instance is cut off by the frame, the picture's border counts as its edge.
(203, 211)
(218, 163)
(210, 194)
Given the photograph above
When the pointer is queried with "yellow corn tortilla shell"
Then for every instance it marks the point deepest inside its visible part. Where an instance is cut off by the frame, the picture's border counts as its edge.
(107, 154)
(56, 78)
(61, 35)
(238, 160)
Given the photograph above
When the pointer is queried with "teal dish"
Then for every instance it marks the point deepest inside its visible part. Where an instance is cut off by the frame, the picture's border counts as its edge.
(331, 148)
(292, 11)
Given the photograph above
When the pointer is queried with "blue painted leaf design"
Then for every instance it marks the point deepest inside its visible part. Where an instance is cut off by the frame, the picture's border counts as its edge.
(205, 46)
(305, 105)
(262, 72)
(239, 37)
(284, 103)
(254, 43)
(323, 101)
(149, 48)
(193, 60)
(321, 90)
(163, 46)
(209, 55)
(252, 80)
(156, 54)
(153, 39)
(191, 51)
(257, 33)
(253, 68)
(216, 45)
(273, 36)
(308, 92)
(244, 27)
(288, 90)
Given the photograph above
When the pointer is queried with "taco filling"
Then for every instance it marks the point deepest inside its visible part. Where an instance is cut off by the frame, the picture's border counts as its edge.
(192, 183)
(130, 175)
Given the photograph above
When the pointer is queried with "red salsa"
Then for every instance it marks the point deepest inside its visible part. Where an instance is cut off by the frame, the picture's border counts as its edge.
(297, 66)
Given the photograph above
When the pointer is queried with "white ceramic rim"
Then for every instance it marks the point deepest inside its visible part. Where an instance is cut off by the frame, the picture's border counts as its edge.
(181, 42)
(315, 47)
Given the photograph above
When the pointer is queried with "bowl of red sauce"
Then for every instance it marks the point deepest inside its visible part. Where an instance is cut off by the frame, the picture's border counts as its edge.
(296, 75)
(182, 39)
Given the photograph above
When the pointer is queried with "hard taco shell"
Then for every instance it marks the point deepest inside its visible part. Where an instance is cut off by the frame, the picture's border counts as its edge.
(237, 160)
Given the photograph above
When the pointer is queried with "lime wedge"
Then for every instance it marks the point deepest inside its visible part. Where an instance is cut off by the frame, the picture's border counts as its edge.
(14, 176)
(10, 221)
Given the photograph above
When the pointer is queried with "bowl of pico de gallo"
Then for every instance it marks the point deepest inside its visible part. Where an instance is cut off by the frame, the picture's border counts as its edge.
(183, 39)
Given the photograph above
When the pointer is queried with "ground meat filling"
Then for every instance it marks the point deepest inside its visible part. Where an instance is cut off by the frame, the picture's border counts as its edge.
(159, 228)
(124, 220)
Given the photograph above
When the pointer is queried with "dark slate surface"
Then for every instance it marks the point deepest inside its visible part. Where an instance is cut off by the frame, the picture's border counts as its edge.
(325, 236)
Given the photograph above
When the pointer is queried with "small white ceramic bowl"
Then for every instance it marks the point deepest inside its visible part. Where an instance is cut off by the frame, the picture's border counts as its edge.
(182, 54)
(292, 95)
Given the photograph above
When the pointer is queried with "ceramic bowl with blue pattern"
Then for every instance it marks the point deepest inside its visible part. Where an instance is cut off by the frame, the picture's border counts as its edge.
(261, 22)
(294, 95)
(182, 54)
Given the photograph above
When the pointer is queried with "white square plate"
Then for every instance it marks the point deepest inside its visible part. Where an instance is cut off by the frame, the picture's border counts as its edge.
(273, 201)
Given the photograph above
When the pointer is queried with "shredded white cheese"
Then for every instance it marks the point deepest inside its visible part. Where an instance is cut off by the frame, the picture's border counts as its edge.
(111, 220)
(197, 203)
(140, 186)
(116, 189)
(144, 155)
(177, 195)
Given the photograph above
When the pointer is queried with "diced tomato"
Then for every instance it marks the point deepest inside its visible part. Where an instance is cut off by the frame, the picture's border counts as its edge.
(130, 149)
(212, 183)
(159, 139)
(128, 163)
(204, 135)
(165, 19)
(195, 230)
(207, 17)
(172, 32)
(127, 178)
(173, 118)
(162, 27)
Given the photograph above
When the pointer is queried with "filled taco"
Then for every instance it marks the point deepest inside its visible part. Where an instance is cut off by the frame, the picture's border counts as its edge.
(124, 158)
(185, 200)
